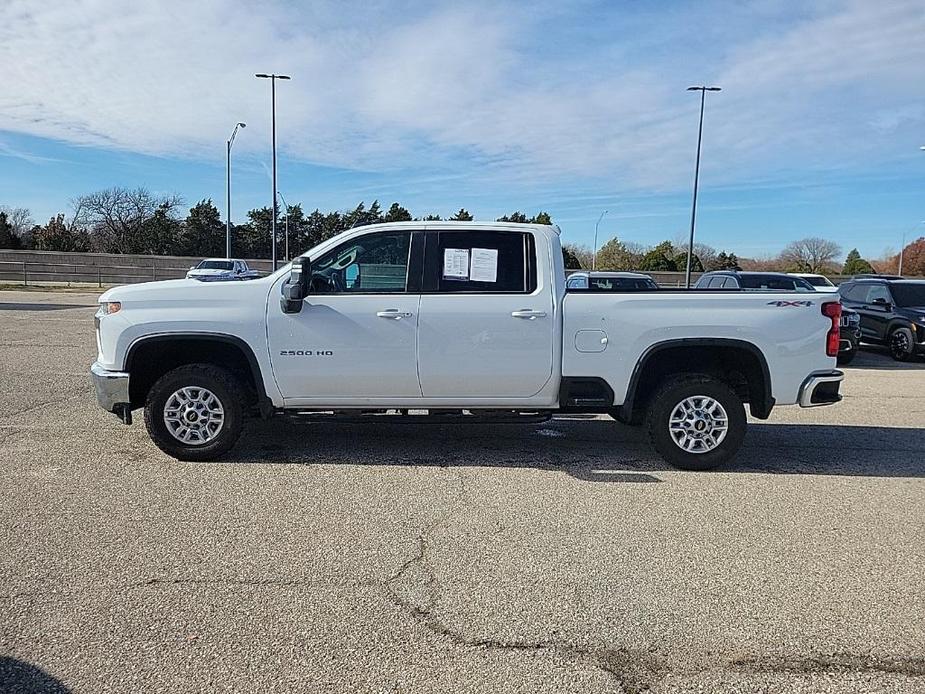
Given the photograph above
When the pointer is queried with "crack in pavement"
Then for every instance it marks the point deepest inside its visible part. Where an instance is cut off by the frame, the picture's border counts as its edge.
(634, 670)
(425, 613)
(71, 394)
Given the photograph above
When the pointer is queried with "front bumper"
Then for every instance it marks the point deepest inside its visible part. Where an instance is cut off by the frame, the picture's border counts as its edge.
(821, 388)
(112, 392)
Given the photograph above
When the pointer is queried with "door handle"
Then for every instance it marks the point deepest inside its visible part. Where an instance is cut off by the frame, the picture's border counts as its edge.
(528, 313)
(393, 313)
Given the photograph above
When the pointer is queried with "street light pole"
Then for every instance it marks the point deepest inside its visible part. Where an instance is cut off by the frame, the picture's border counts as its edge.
(286, 205)
(228, 144)
(273, 77)
(594, 253)
(690, 246)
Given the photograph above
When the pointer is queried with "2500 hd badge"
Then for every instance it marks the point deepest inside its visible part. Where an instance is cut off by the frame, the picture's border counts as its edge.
(306, 353)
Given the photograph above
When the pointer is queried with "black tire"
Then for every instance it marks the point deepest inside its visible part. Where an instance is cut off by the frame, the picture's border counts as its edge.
(902, 344)
(846, 357)
(677, 390)
(226, 389)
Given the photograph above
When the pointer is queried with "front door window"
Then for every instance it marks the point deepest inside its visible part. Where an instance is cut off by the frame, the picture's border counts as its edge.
(373, 264)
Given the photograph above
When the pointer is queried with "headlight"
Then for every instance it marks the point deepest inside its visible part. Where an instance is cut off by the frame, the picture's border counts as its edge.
(107, 308)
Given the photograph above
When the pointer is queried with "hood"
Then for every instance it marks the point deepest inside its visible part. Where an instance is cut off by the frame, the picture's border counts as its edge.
(185, 291)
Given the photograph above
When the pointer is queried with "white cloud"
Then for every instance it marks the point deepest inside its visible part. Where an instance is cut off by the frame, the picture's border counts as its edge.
(483, 89)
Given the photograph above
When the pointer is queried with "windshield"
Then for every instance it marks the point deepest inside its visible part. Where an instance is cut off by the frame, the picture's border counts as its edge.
(215, 265)
(818, 281)
(912, 294)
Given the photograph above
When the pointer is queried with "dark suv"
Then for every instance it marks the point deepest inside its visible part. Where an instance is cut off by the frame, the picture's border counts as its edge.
(892, 313)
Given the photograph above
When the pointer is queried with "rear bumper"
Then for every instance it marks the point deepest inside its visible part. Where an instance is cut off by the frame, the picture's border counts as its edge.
(111, 389)
(821, 388)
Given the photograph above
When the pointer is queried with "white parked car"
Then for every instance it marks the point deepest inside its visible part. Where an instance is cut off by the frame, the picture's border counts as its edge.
(212, 269)
(820, 283)
(463, 320)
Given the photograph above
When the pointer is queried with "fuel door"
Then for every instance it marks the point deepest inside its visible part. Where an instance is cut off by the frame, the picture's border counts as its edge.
(591, 341)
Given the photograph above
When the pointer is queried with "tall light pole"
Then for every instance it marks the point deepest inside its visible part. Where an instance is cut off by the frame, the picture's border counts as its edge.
(594, 253)
(228, 144)
(286, 205)
(690, 246)
(273, 77)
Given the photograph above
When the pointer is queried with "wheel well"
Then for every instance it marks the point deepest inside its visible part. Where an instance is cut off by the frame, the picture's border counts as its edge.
(150, 359)
(742, 367)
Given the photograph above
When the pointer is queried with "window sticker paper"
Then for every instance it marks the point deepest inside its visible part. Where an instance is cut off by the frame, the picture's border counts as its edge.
(456, 264)
(484, 265)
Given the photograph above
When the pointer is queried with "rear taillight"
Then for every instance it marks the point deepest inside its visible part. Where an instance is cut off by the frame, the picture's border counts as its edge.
(832, 310)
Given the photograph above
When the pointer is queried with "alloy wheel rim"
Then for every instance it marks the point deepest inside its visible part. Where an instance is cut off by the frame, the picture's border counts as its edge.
(900, 343)
(193, 415)
(698, 424)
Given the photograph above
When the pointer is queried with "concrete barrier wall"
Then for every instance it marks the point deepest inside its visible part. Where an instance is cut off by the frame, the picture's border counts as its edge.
(36, 267)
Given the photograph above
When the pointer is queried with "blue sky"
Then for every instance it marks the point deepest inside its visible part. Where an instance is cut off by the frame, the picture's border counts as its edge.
(572, 108)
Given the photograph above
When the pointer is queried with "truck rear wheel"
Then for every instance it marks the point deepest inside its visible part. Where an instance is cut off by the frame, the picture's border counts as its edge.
(696, 422)
(194, 412)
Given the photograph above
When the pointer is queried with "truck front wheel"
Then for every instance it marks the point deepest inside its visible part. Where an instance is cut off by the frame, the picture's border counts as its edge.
(696, 422)
(194, 412)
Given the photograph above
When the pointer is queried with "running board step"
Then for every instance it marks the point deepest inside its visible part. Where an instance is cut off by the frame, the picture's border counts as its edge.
(425, 416)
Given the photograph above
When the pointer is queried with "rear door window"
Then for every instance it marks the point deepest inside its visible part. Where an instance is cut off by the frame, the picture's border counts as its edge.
(878, 291)
(496, 262)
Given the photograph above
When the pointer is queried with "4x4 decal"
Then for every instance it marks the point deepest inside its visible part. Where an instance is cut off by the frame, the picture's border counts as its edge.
(790, 303)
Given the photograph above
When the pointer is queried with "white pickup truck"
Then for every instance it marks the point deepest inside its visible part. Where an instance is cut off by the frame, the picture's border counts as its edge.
(457, 320)
(221, 270)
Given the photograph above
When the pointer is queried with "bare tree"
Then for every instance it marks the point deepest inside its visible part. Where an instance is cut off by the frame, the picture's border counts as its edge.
(706, 254)
(20, 219)
(116, 217)
(810, 255)
(581, 253)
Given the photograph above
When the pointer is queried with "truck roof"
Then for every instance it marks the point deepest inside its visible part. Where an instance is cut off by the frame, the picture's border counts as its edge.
(461, 226)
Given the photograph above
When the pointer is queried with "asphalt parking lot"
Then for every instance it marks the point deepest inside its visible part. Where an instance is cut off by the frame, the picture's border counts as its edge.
(561, 557)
